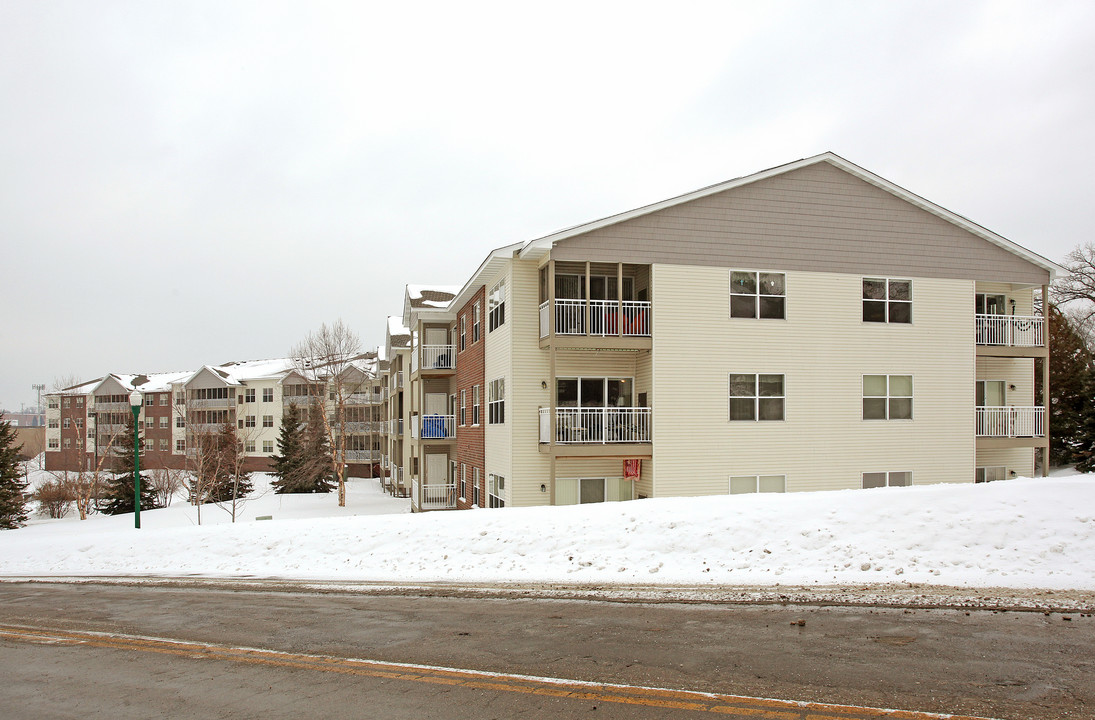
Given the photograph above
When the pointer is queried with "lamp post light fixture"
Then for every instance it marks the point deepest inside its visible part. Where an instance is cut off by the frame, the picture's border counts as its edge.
(135, 401)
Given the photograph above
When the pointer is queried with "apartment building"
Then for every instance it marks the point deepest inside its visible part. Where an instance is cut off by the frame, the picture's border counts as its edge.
(84, 421)
(809, 327)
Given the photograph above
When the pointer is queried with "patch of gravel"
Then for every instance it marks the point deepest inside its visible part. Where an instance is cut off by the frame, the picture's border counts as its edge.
(905, 595)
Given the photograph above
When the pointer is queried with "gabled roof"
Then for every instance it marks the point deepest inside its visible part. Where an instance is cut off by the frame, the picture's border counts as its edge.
(538, 247)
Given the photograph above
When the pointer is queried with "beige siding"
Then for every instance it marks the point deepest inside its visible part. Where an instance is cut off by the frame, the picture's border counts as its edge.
(1023, 297)
(595, 363)
(1017, 460)
(1013, 371)
(823, 348)
(818, 218)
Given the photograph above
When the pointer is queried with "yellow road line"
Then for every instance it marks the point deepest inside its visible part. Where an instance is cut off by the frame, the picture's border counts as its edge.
(734, 706)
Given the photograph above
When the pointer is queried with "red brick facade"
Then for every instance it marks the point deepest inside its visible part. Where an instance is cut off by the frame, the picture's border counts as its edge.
(470, 373)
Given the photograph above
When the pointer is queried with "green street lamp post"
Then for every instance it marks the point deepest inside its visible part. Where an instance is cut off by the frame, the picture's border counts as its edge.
(135, 401)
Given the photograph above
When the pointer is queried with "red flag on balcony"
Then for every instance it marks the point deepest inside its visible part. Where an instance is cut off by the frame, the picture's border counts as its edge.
(632, 468)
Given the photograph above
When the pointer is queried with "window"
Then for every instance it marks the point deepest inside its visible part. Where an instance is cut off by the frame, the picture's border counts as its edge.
(463, 331)
(990, 474)
(757, 295)
(163, 399)
(79, 422)
(249, 421)
(68, 444)
(54, 443)
(268, 446)
(886, 479)
(496, 401)
(68, 423)
(163, 445)
(756, 397)
(54, 423)
(180, 398)
(150, 422)
(68, 402)
(496, 487)
(463, 406)
(239, 423)
(249, 395)
(742, 484)
(180, 421)
(463, 480)
(149, 400)
(475, 405)
(496, 306)
(475, 486)
(249, 446)
(79, 402)
(268, 394)
(887, 397)
(180, 446)
(268, 421)
(165, 421)
(53, 404)
(475, 322)
(887, 300)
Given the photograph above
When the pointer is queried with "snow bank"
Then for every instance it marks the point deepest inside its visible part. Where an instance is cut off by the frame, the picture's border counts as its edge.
(1023, 533)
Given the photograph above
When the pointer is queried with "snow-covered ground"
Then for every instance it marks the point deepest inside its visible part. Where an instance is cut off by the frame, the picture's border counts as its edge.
(1025, 533)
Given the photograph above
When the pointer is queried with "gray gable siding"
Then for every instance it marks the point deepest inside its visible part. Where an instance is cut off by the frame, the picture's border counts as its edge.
(817, 218)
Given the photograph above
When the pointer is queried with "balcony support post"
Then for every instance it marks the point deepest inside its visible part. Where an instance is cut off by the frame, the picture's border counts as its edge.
(587, 327)
(551, 300)
(1045, 377)
(619, 299)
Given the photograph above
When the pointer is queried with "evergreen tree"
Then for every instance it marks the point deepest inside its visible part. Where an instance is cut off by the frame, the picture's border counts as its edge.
(230, 480)
(13, 500)
(291, 454)
(1070, 398)
(118, 491)
(317, 468)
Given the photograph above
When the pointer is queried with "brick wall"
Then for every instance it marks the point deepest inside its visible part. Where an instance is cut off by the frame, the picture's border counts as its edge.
(470, 371)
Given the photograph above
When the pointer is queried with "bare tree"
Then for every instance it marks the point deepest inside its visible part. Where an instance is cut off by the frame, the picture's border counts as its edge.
(1077, 290)
(165, 483)
(326, 360)
(54, 498)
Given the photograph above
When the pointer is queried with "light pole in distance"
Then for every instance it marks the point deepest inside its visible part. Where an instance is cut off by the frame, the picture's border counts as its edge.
(135, 400)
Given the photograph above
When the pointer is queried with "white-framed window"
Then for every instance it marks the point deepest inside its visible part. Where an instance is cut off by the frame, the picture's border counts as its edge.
(249, 446)
(54, 404)
(742, 484)
(249, 395)
(68, 402)
(474, 404)
(67, 423)
(54, 423)
(268, 421)
(149, 422)
(164, 398)
(149, 400)
(68, 444)
(249, 421)
(268, 394)
(79, 402)
(163, 445)
(268, 446)
(758, 295)
(496, 401)
(756, 396)
(463, 332)
(496, 489)
(180, 421)
(991, 474)
(463, 481)
(887, 397)
(887, 479)
(180, 446)
(496, 306)
(165, 421)
(475, 486)
(475, 317)
(463, 407)
(54, 443)
(887, 301)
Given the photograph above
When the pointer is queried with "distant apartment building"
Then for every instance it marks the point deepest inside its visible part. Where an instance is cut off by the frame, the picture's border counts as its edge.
(84, 422)
(809, 327)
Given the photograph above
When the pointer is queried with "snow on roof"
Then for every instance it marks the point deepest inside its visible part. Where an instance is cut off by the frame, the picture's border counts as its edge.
(240, 371)
(432, 296)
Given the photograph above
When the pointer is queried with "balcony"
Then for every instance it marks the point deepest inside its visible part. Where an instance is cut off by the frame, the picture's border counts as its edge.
(433, 496)
(207, 403)
(359, 456)
(1011, 335)
(596, 323)
(105, 407)
(1011, 426)
(364, 399)
(434, 427)
(596, 426)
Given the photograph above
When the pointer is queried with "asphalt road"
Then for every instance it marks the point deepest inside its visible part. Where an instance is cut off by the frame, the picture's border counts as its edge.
(79, 651)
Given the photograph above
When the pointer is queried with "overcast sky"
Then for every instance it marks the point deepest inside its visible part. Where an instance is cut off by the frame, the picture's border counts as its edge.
(196, 182)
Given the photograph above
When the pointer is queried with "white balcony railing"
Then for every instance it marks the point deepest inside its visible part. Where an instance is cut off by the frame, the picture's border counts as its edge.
(437, 496)
(438, 357)
(1011, 330)
(597, 425)
(106, 407)
(435, 427)
(1011, 422)
(362, 455)
(368, 398)
(206, 403)
(607, 318)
